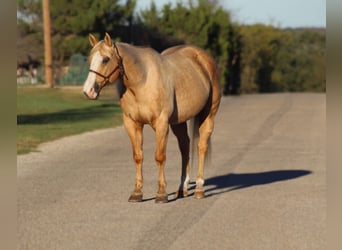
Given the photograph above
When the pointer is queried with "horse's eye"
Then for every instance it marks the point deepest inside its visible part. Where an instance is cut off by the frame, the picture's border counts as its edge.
(105, 59)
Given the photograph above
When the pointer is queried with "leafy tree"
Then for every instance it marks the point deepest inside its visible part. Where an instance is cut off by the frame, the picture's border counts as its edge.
(233, 69)
(72, 20)
(71, 25)
(29, 28)
(276, 60)
(259, 53)
(202, 23)
(299, 61)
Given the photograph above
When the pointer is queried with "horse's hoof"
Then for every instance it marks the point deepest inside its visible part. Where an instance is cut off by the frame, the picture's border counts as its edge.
(161, 198)
(199, 194)
(135, 197)
(181, 194)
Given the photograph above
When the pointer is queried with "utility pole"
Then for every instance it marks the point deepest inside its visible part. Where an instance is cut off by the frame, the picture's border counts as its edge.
(47, 44)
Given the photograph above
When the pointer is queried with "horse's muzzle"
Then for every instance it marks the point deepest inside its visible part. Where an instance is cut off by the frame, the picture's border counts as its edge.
(92, 94)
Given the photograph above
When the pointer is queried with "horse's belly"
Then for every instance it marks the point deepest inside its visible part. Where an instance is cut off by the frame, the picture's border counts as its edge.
(189, 102)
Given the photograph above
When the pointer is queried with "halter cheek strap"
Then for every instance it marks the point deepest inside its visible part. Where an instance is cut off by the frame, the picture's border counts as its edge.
(119, 67)
(105, 78)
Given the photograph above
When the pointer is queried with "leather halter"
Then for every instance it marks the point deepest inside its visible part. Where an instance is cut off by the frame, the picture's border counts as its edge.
(119, 67)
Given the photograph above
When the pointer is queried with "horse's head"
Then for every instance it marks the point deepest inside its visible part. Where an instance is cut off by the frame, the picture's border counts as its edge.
(105, 66)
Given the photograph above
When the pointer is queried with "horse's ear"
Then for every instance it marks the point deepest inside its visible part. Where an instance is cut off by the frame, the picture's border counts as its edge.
(93, 41)
(108, 40)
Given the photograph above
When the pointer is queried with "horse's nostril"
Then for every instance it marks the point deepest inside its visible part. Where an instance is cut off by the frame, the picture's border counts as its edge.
(96, 87)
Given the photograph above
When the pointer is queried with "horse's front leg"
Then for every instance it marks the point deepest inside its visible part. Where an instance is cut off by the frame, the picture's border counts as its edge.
(134, 131)
(161, 128)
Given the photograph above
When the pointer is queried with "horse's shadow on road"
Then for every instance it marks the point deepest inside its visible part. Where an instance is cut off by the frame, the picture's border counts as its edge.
(235, 181)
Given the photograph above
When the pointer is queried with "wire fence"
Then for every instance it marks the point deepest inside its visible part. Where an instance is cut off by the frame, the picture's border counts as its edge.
(77, 71)
(74, 74)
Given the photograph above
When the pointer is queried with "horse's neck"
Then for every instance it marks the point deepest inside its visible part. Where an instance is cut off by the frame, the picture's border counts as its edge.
(135, 72)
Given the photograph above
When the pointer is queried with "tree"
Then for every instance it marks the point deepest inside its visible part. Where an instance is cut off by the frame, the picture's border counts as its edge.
(275, 60)
(254, 58)
(71, 25)
(202, 23)
(47, 44)
(233, 69)
(301, 61)
(30, 33)
(259, 57)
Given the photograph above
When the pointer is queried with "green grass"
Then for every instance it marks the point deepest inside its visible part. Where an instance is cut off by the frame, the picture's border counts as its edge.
(47, 114)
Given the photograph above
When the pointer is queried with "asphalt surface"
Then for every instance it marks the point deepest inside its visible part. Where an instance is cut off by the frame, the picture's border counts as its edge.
(265, 187)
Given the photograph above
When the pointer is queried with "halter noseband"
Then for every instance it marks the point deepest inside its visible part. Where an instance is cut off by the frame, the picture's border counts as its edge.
(119, 67)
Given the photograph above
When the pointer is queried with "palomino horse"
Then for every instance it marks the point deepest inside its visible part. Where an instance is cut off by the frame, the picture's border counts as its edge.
(160, 90)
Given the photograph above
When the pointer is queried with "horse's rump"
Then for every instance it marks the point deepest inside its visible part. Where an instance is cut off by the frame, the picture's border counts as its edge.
(196, 55)
(194, 75)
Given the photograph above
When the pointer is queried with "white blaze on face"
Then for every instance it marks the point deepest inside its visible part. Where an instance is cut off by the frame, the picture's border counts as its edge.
(88, 86)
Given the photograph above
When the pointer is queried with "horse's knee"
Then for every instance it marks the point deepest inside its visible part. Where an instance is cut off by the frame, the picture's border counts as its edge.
(138, 157)
(160, 157)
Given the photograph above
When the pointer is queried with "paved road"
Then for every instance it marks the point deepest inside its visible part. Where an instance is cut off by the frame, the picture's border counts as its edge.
(265, 187)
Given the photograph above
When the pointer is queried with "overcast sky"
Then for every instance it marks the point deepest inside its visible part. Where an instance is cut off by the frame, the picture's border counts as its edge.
(281, 13)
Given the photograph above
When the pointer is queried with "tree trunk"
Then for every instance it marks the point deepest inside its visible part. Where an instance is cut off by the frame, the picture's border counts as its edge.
(47, 44)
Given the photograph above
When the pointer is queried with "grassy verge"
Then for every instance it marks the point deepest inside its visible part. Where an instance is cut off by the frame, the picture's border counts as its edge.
(47, 114)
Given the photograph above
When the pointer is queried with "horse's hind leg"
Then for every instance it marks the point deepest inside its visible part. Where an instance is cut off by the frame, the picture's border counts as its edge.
(205, 131)
(206, 126)
(181, 132)
(134, 131)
